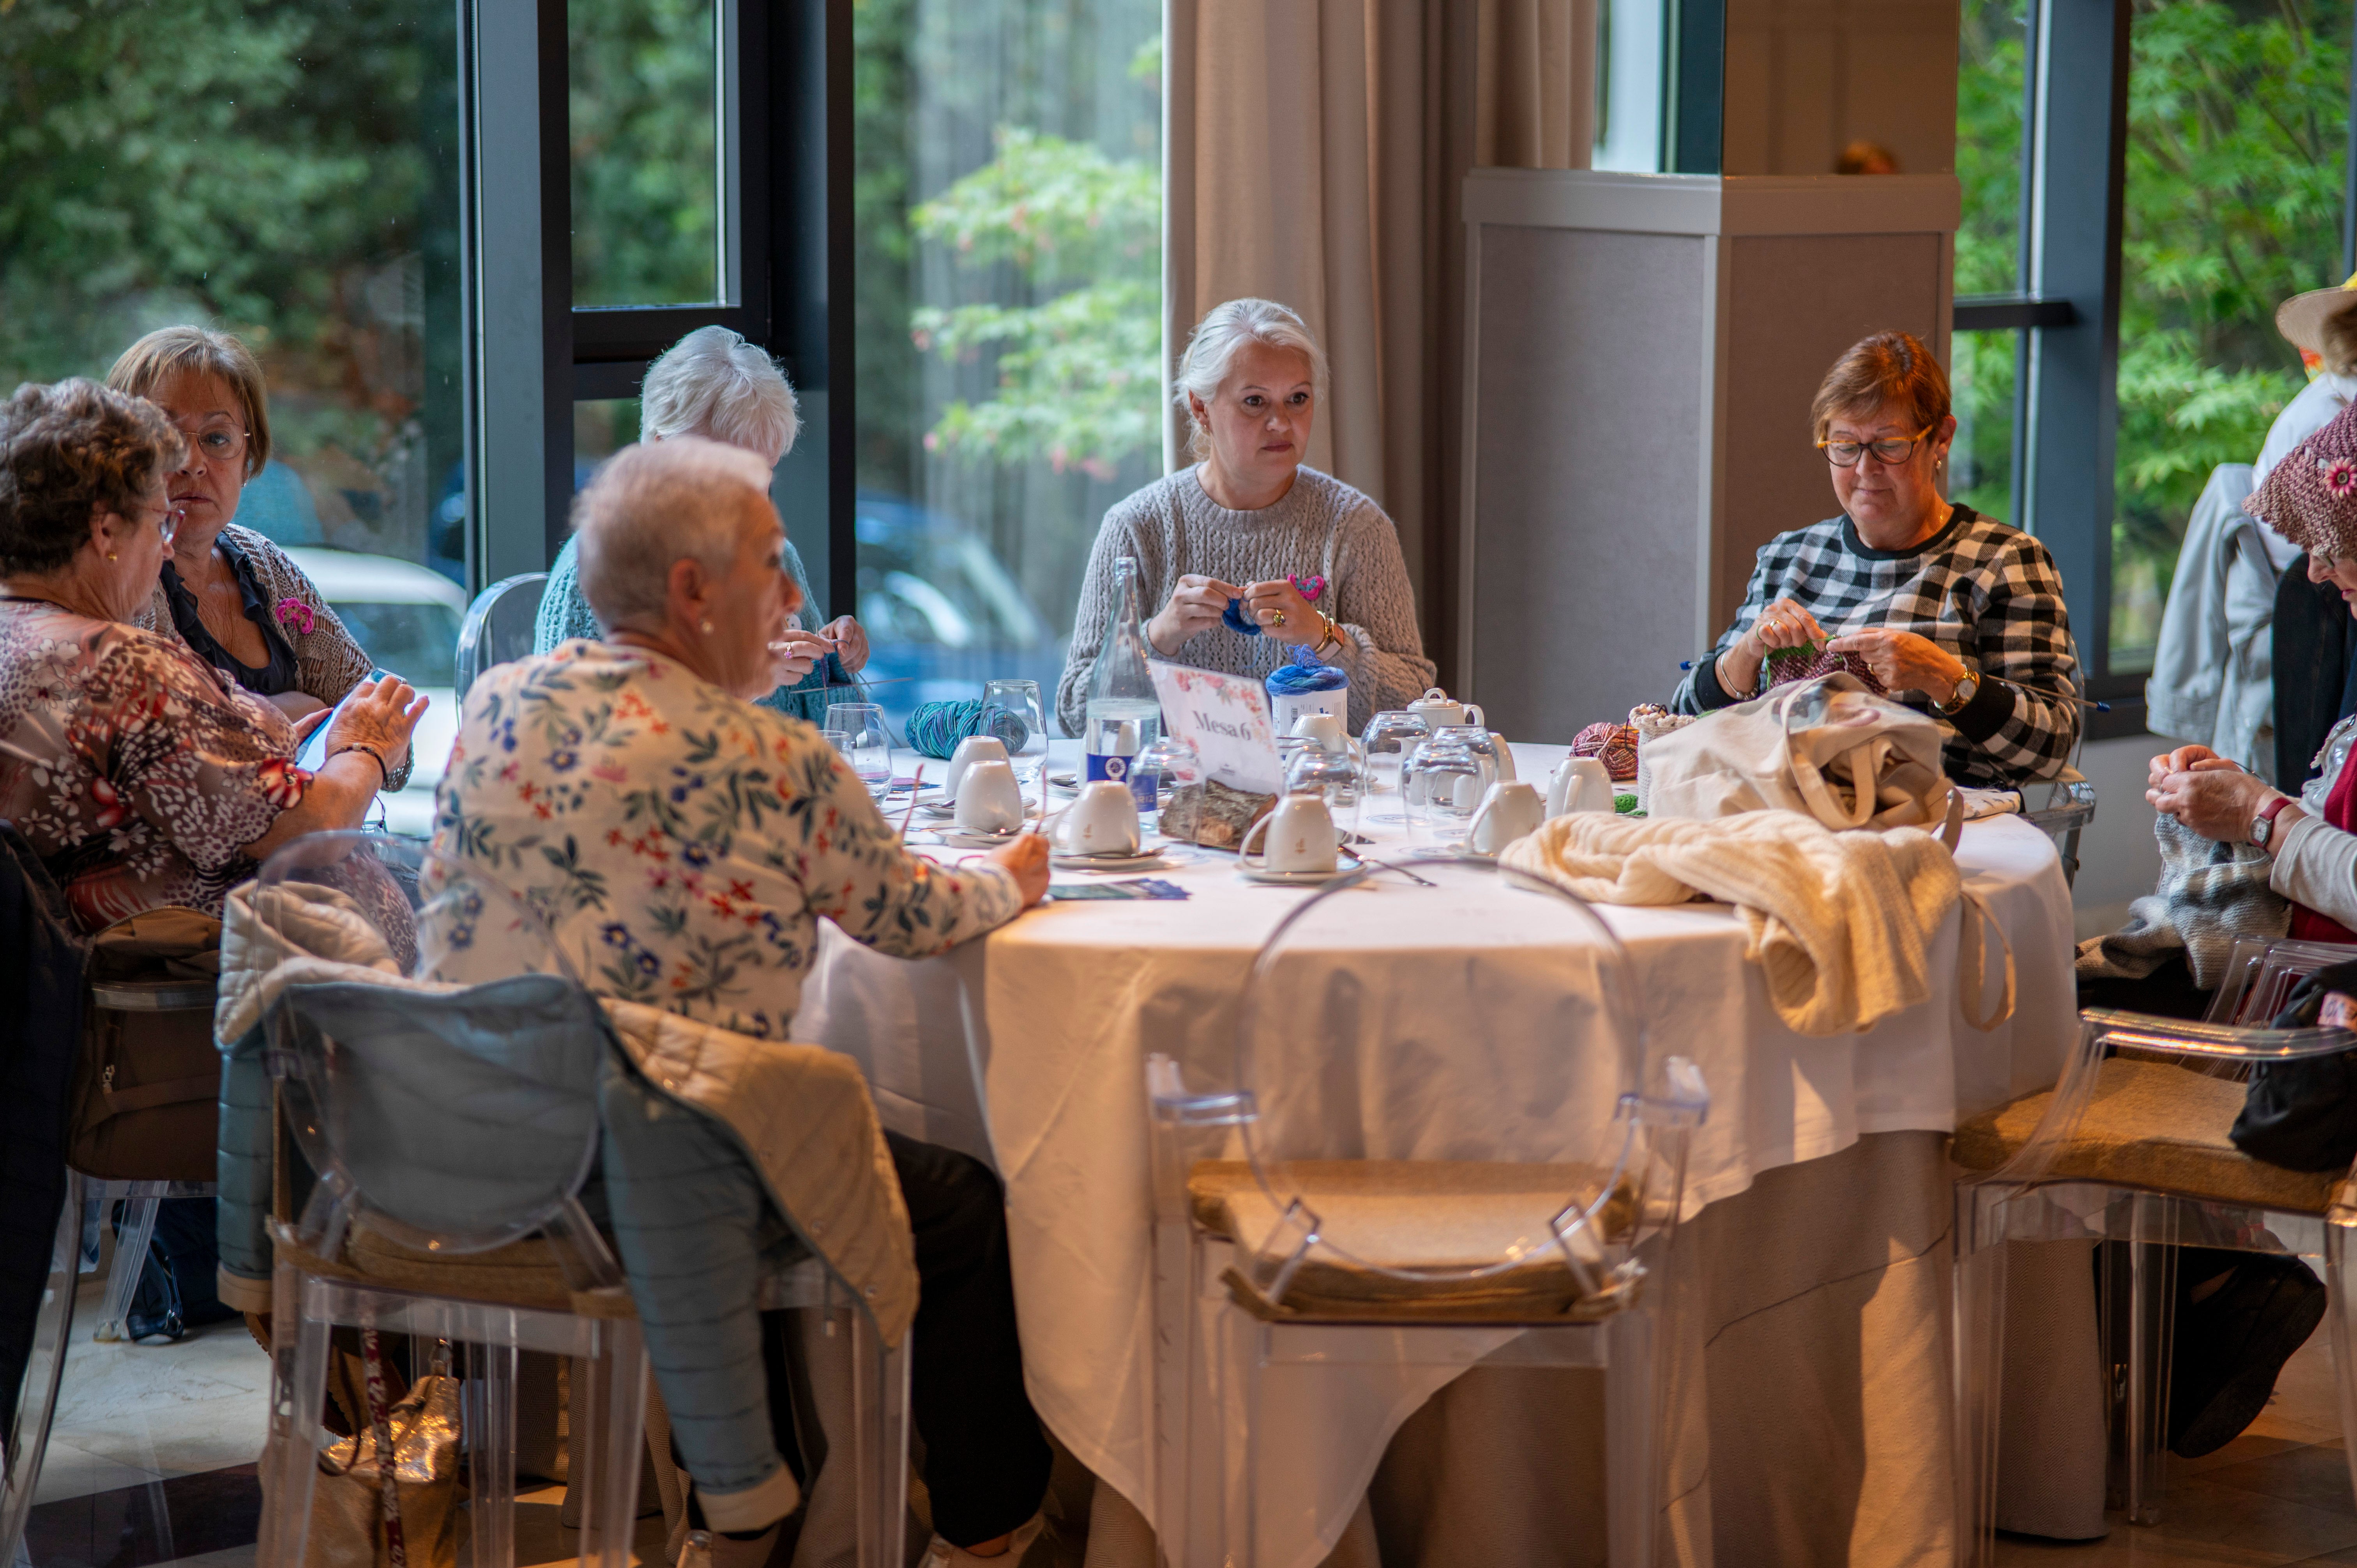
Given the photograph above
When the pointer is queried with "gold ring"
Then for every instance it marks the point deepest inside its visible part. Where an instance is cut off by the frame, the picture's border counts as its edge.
(1276, 618)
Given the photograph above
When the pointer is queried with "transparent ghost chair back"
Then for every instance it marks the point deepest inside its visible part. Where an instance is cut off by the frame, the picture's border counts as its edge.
(1505, 1150)
(458, 1113)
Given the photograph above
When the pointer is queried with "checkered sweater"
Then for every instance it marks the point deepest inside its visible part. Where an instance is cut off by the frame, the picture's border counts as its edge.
(1987, 592)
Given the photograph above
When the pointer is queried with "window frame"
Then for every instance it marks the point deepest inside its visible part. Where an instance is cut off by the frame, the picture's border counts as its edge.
(2066, 315)
(784, 105)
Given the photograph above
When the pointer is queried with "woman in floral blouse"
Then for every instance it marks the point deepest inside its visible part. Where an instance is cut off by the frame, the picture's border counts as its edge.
(682, 843)
(138, 776)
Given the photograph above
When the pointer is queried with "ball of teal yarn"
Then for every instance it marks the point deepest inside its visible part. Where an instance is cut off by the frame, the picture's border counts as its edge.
(935, 728)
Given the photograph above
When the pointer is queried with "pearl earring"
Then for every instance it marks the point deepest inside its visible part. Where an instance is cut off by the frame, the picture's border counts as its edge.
(705, 626)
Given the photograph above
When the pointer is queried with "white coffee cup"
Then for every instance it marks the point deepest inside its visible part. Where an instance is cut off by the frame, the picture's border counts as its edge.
(1324, 729)
(988, 799)
(973, 748)
(1103, 820)
(1300, 833)
(1505, 757)
(1434, 708)
(1581, 784)
(1508, 810)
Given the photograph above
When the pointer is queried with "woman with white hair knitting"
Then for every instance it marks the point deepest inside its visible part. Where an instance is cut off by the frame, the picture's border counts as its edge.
(1306, 558)
(714, 384)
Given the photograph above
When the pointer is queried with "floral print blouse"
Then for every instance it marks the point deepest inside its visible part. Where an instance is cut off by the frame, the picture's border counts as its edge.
(134, 774)
(682, 845)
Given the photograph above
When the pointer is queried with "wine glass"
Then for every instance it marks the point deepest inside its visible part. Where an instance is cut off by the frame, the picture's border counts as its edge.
(1390, 737)
(866, 742)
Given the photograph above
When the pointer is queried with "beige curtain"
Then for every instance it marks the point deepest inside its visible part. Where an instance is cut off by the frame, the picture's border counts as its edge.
(1312, 154)
(1535, 91)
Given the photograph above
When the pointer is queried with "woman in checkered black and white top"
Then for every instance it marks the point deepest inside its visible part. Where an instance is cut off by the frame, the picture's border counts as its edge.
(1957, 614)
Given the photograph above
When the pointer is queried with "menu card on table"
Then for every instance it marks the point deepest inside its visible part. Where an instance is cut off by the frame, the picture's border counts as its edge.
(1226, 719)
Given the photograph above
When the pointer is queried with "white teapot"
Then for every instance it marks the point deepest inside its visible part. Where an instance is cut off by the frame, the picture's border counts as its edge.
(1434, 708)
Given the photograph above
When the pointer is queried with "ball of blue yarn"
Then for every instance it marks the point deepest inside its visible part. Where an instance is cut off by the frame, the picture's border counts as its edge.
(935, 728)
(1233, 615)
(1303, 673)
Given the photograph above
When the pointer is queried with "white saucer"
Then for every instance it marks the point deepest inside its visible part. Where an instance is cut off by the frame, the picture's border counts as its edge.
(968, 837)
(1291, 878)
(1145, 859)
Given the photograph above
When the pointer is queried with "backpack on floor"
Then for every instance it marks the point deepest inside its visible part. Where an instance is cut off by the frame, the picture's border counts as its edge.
(176, 1279)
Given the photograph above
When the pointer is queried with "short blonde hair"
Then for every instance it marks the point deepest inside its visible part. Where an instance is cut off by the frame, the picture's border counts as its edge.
(713, 382)
(653, 505)
(1890, 367)
(1211, 351)
(170, 352)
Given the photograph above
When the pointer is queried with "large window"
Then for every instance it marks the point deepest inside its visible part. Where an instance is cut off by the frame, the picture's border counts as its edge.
(1008, 216)
(2118, 269)
(2238, 125)
(288, 171)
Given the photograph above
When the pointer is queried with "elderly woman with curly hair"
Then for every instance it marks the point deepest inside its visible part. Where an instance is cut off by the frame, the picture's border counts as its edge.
(234, 598)
(136, 773)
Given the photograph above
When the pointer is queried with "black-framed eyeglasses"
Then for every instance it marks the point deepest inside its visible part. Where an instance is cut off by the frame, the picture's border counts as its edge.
(1889, 451)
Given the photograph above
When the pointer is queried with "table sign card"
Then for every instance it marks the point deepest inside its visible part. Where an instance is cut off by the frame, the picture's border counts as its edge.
(1226, 719)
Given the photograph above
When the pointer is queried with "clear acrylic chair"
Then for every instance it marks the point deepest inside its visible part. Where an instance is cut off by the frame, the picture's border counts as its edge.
(449, 1117)
(2131, 1147)
(1400, 1167)
(447, 1098)
(499, 626)
(25, 1436)
(2069, 806)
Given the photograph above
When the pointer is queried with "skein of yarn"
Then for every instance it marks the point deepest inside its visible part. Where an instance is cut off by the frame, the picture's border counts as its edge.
(935, 728)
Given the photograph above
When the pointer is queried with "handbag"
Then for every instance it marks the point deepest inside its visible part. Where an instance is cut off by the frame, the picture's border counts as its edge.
(1827, 748)
(369, 1514)
(2302, 1116)
(145, 1105)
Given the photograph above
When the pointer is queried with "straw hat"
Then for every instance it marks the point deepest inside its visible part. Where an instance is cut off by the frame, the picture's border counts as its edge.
(2311, 498)
(2301, 317)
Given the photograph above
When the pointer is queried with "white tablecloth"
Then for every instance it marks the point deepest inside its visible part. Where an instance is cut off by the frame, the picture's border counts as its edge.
(1027, 1049)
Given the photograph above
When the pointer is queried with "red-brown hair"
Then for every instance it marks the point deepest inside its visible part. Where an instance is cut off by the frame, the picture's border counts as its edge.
(1890, 367)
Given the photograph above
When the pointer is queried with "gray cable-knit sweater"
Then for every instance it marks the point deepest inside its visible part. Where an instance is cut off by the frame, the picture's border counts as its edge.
(1321, 528)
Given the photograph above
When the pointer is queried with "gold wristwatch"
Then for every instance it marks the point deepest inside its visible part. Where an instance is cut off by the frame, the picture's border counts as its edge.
(1968, 686)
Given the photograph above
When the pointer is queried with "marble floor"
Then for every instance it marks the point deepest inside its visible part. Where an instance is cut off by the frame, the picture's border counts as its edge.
(2277, 1495)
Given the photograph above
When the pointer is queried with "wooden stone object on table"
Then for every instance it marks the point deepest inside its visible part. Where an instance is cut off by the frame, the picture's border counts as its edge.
(1213, 814)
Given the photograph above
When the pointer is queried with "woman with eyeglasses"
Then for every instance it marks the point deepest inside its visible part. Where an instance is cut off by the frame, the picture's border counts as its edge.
(1954, 613)
(134, 772)
(233, 595)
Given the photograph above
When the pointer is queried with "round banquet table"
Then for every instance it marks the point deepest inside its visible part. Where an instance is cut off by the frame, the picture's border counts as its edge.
(1026, 1050)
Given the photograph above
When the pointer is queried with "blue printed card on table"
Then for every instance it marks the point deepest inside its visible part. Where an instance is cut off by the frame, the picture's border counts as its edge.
(1226, 719)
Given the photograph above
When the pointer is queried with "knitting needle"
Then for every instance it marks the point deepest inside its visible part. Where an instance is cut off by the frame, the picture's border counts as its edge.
(915, 785)
(2041, 691)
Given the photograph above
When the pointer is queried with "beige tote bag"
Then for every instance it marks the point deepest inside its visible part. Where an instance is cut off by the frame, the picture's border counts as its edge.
(1828, 748)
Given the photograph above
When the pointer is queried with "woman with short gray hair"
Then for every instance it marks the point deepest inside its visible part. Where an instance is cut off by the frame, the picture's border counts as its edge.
(683, 844)
(1303, 557)
(716, 384)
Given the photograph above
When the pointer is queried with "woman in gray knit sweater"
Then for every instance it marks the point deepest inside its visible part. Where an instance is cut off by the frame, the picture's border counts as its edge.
(1313, 562)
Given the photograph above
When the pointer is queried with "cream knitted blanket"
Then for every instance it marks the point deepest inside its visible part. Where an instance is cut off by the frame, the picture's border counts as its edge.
(1842, 923)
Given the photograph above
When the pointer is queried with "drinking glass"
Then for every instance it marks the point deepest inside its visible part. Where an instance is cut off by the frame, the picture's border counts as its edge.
(1481, 744)
(1444, 781)
(1167, 767)
(1335, 777)
(1011, 709)
(868, 743)
(1390, 737)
